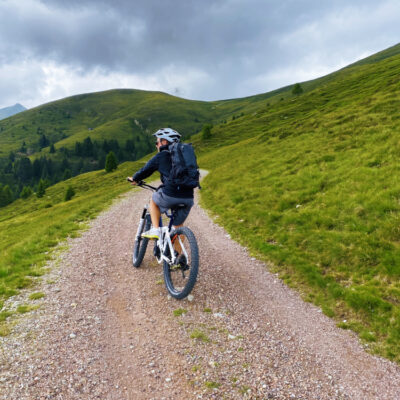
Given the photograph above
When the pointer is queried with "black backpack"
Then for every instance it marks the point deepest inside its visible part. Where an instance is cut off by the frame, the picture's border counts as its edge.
(184, 171)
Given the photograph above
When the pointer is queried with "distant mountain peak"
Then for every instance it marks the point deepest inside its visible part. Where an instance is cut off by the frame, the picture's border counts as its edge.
(9, 111)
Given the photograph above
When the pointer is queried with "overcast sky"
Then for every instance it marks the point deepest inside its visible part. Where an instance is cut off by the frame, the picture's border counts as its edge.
(197, 49)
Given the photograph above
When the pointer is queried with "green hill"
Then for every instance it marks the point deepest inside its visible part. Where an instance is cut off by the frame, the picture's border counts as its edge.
(74, 135)
(308, 182)
(312, 185)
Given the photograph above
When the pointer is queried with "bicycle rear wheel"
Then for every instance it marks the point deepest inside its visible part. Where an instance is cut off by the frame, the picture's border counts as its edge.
(140, 246)
(180, 278)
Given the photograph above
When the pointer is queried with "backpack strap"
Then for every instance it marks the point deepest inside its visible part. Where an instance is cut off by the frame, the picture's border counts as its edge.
(180, 155)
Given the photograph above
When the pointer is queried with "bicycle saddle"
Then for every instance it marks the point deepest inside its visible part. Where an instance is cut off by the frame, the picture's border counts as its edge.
(178, 206)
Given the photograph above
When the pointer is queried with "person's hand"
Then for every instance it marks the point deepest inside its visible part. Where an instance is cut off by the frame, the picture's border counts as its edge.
(129, 179)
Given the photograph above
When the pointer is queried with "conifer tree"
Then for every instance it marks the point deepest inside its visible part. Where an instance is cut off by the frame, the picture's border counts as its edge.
(6, 196)
(41, 190)
(206, 132)
(297, 89)
(111, 162)
(26, 192)
(67, 174)
(70, 193)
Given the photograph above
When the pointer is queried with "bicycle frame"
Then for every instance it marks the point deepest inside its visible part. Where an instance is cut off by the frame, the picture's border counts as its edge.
(165, 241)
(176, 249)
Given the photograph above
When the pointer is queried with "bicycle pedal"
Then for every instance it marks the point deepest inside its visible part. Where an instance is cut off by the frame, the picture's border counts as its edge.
(156, 251)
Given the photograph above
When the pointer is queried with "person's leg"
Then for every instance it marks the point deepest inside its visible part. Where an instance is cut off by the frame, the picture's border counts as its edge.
(155, 214)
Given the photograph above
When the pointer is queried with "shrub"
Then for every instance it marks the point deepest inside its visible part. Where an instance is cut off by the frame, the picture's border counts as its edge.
(111, 162)
(26, 192)
(206, 132)
(297, 89)
(6, 195)
(41, 190)
(67, 174)
(70, 193)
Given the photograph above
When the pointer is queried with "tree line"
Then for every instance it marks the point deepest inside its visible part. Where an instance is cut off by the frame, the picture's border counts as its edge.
(20, 176)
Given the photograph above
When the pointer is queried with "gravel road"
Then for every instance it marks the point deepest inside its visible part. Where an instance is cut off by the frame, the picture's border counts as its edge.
(106, 330)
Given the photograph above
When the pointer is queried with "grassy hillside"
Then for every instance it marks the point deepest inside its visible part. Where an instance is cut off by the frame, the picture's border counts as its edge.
(31, 228)
(71, 136)
(125, 114)
(312, 184)
(114, 114)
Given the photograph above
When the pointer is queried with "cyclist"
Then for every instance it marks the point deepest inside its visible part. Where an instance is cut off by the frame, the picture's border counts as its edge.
(167, 195)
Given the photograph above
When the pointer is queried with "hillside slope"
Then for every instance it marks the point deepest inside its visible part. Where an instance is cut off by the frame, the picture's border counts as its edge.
(312, 184)
(115, 114)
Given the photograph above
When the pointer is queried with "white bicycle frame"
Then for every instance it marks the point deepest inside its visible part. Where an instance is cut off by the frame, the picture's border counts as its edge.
(163, 243)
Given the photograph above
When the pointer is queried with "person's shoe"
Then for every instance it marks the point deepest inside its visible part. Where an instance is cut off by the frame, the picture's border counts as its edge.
(153, 233)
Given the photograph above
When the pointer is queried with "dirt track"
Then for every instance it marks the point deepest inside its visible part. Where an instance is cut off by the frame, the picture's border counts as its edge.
(107, 331)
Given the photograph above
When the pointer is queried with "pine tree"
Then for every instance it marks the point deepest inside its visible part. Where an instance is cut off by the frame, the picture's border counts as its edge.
(70, 193)
(6, 196)
(41, 190)
(23, 147)
(87, 147)
(67, 174)
(206, 132)
(43, 141)
(297, 89)
(26, 192)
(111, 162)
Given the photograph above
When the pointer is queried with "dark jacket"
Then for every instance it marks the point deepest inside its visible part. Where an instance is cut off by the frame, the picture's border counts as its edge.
(161, 162)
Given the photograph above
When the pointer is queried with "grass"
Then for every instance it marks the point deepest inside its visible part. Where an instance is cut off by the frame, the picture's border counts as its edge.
(31, 230)
(180, 311)
(5, 330)
(24, 308)
(36, 296)
(244, 389)
(318, 194)
(199, 335)
(212, 385)
(116, 114)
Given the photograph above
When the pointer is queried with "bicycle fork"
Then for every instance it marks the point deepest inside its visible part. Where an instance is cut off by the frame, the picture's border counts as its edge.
(141, 223)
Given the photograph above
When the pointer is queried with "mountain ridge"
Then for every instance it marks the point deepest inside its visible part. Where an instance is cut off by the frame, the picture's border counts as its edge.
(11, 110)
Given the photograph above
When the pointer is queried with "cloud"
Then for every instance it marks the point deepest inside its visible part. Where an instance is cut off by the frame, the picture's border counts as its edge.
(53, 81)
(205, 50)
(22, 80)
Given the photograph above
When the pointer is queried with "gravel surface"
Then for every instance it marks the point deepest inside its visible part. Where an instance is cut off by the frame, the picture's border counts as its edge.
(106, 330)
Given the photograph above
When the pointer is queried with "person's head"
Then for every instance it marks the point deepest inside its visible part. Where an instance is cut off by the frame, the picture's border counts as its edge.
(166, 136)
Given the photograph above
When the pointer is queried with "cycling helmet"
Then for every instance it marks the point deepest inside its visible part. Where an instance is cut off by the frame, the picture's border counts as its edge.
(167, 134)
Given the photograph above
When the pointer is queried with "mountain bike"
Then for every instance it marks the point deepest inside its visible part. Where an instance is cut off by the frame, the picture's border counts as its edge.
(177, 249)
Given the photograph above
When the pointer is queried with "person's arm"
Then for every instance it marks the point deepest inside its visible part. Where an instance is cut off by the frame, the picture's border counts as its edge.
(150, 167)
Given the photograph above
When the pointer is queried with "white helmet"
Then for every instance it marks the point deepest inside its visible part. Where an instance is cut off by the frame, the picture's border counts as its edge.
(167, 134)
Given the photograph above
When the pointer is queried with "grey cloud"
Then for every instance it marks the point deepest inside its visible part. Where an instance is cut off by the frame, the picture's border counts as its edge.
(231, 41)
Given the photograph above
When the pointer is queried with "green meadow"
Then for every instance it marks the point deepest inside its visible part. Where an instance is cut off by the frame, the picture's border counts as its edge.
(32, 228)
(312, 184)
(309, 183)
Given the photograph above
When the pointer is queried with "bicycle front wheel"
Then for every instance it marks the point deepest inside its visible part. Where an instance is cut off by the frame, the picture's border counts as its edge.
(140, 246)
(180, 278)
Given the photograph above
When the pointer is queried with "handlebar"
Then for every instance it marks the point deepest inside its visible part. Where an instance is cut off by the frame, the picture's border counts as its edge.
(143, 184)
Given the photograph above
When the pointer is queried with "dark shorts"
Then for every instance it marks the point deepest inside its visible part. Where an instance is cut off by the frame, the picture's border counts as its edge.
(165, 203)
